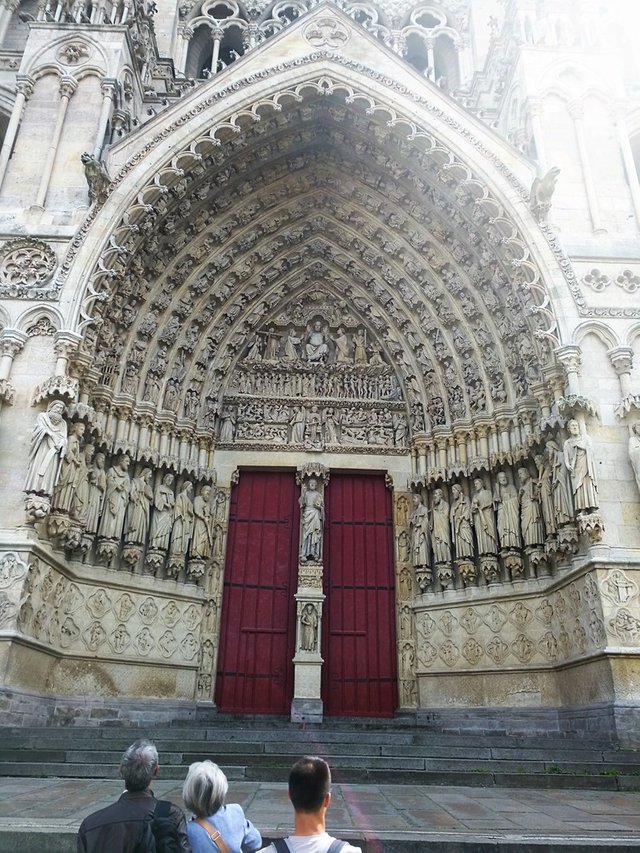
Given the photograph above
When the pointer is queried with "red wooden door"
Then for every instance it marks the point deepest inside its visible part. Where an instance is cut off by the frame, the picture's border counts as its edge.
(358, 618)
(257, 636)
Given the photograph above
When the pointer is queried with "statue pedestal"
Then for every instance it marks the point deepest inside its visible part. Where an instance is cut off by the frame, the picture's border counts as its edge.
(306, 706)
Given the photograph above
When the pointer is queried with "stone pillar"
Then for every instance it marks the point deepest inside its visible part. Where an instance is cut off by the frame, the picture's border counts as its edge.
(627, 157)
(7, 9)
(576, 111)
(535, 108)
(217, 35)
(68, 85)
(24, 90)
(11, 342)
(186, 33)
(570, 357)
(622, 360)
(108, 87)
(307, 705)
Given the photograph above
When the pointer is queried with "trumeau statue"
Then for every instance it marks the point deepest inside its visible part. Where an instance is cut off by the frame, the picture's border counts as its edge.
(163, 503)
(460, 515)
(483, 518)
(48, 445)
(419, 527)
(530, 514)
(116, 499)
(312, 522)
(505, 498)
(578, 457)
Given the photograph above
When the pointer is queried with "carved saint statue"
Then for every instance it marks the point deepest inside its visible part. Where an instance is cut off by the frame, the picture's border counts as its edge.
(65, 491)
(530, 513)
(82, 491)
(316, 347)
(202, 542)
(331, 426)
(116, 499)
(163, 505)
(634, 450)
(291, 343)
(255, 350)
(97, 487)
(560, 483)
(312, 522)
(140, 500)
(297, 425)
(343, 347)
(182, 521)
(505, 498)
(419, 527)
(309, 628)
(545, 492)
(48, 445)
(461, 522)
(578, 457)
(272, 345)
(227, 426)
(441, 536)
(483, 518)
(360, 347)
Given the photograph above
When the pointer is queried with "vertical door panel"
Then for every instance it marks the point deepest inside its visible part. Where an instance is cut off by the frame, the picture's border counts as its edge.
(359, 641)
(257, 634)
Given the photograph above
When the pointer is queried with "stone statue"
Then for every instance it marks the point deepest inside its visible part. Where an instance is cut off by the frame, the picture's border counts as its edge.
(505, 499)
(65, 491)
(331, 426)
(545, 491)
(139, 511)
(634, 450)
(419, 529)
(560, 483)
(297, 425)
(48, 446)
(313, 428)
(291, 343)
(202, 542)
(272, 345)
(228, 426)
(255, 350)
(97, 487)
(460, 516)
(343, 347)
(542, 190)
(163, 506)
(316, 347)
(82, 491)
(309, 628)
(312, 522)
(530, 514)
(483, 518)
(360, 347)
(116, 499)
(441, 535)
(97, 176)
(182, 521)
(578, 458)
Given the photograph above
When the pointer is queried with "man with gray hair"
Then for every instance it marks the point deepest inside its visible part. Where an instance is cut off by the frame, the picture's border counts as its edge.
(132, 823)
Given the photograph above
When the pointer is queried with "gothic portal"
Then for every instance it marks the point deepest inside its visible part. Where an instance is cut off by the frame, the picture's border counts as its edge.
(318, 398)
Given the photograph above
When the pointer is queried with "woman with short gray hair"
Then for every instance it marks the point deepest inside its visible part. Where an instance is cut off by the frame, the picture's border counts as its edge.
(216, 825)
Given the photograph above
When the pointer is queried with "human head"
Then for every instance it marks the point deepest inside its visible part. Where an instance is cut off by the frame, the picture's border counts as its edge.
(523, 475)
(205, 788)
(79, 428)
(138, 765)
(55, 410)
(437, 496)
(456, 490)
(312, 484)
(168, 479)
(205, 492)
(309, 784)
(417, 499)
(100, 460)
(478, 485)
(574, 427)
(502, 478)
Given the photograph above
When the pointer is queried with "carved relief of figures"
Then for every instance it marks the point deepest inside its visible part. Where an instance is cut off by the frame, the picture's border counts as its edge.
(65, 491)
(530, 514)
(309, 628)
(115, 500)
(272, 345)
(316, 347)
(461, 522)
(419, 527)
(483, 518)
(297, 425)
(580, 462)
(97, 488)
(441, 536)
(138, 515)
(360, 347)
(202, 542)
(342, 347)
(48, 445)
(182, 523)
(331, 427)
(312, 522)
(313, 429)
(291, 343)
(505, 498)
(227, 426)
(164, 503)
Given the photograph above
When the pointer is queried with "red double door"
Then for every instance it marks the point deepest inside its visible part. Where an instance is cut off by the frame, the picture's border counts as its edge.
(257, 636)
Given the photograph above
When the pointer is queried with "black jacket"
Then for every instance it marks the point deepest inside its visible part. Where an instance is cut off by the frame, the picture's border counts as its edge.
(118, 828)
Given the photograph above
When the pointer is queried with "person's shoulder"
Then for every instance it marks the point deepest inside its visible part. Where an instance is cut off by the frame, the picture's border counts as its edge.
(269, 849)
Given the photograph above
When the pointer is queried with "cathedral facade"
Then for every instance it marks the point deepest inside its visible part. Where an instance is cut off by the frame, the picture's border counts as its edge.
(317, 380)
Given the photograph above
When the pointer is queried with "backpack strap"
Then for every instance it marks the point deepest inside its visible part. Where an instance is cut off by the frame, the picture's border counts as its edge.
(213, 834)
(281, 845)
(336, 846)
(162, 809)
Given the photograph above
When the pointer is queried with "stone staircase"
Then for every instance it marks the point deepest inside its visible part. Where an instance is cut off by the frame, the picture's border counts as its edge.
(369, 752)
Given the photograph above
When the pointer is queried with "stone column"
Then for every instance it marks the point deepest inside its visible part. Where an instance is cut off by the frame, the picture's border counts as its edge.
(535, 109)
(7, 9)
(217, 35)
(68, 85)
(576, 111)
(570, 358)
(108, 87)
(11, 342)
(24, 90)
(307, 705)
(627, 157)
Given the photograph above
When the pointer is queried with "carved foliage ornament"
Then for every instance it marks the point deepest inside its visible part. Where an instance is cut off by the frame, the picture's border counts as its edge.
(26, 268)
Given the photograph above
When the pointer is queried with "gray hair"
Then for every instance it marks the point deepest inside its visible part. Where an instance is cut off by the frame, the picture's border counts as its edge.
(138, 765)
(205, 788)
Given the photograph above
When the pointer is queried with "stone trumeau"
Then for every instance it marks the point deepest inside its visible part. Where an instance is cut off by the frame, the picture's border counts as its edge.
(382, 257)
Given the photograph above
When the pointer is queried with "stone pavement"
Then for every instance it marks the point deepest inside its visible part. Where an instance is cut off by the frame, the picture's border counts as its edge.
(43, 814)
